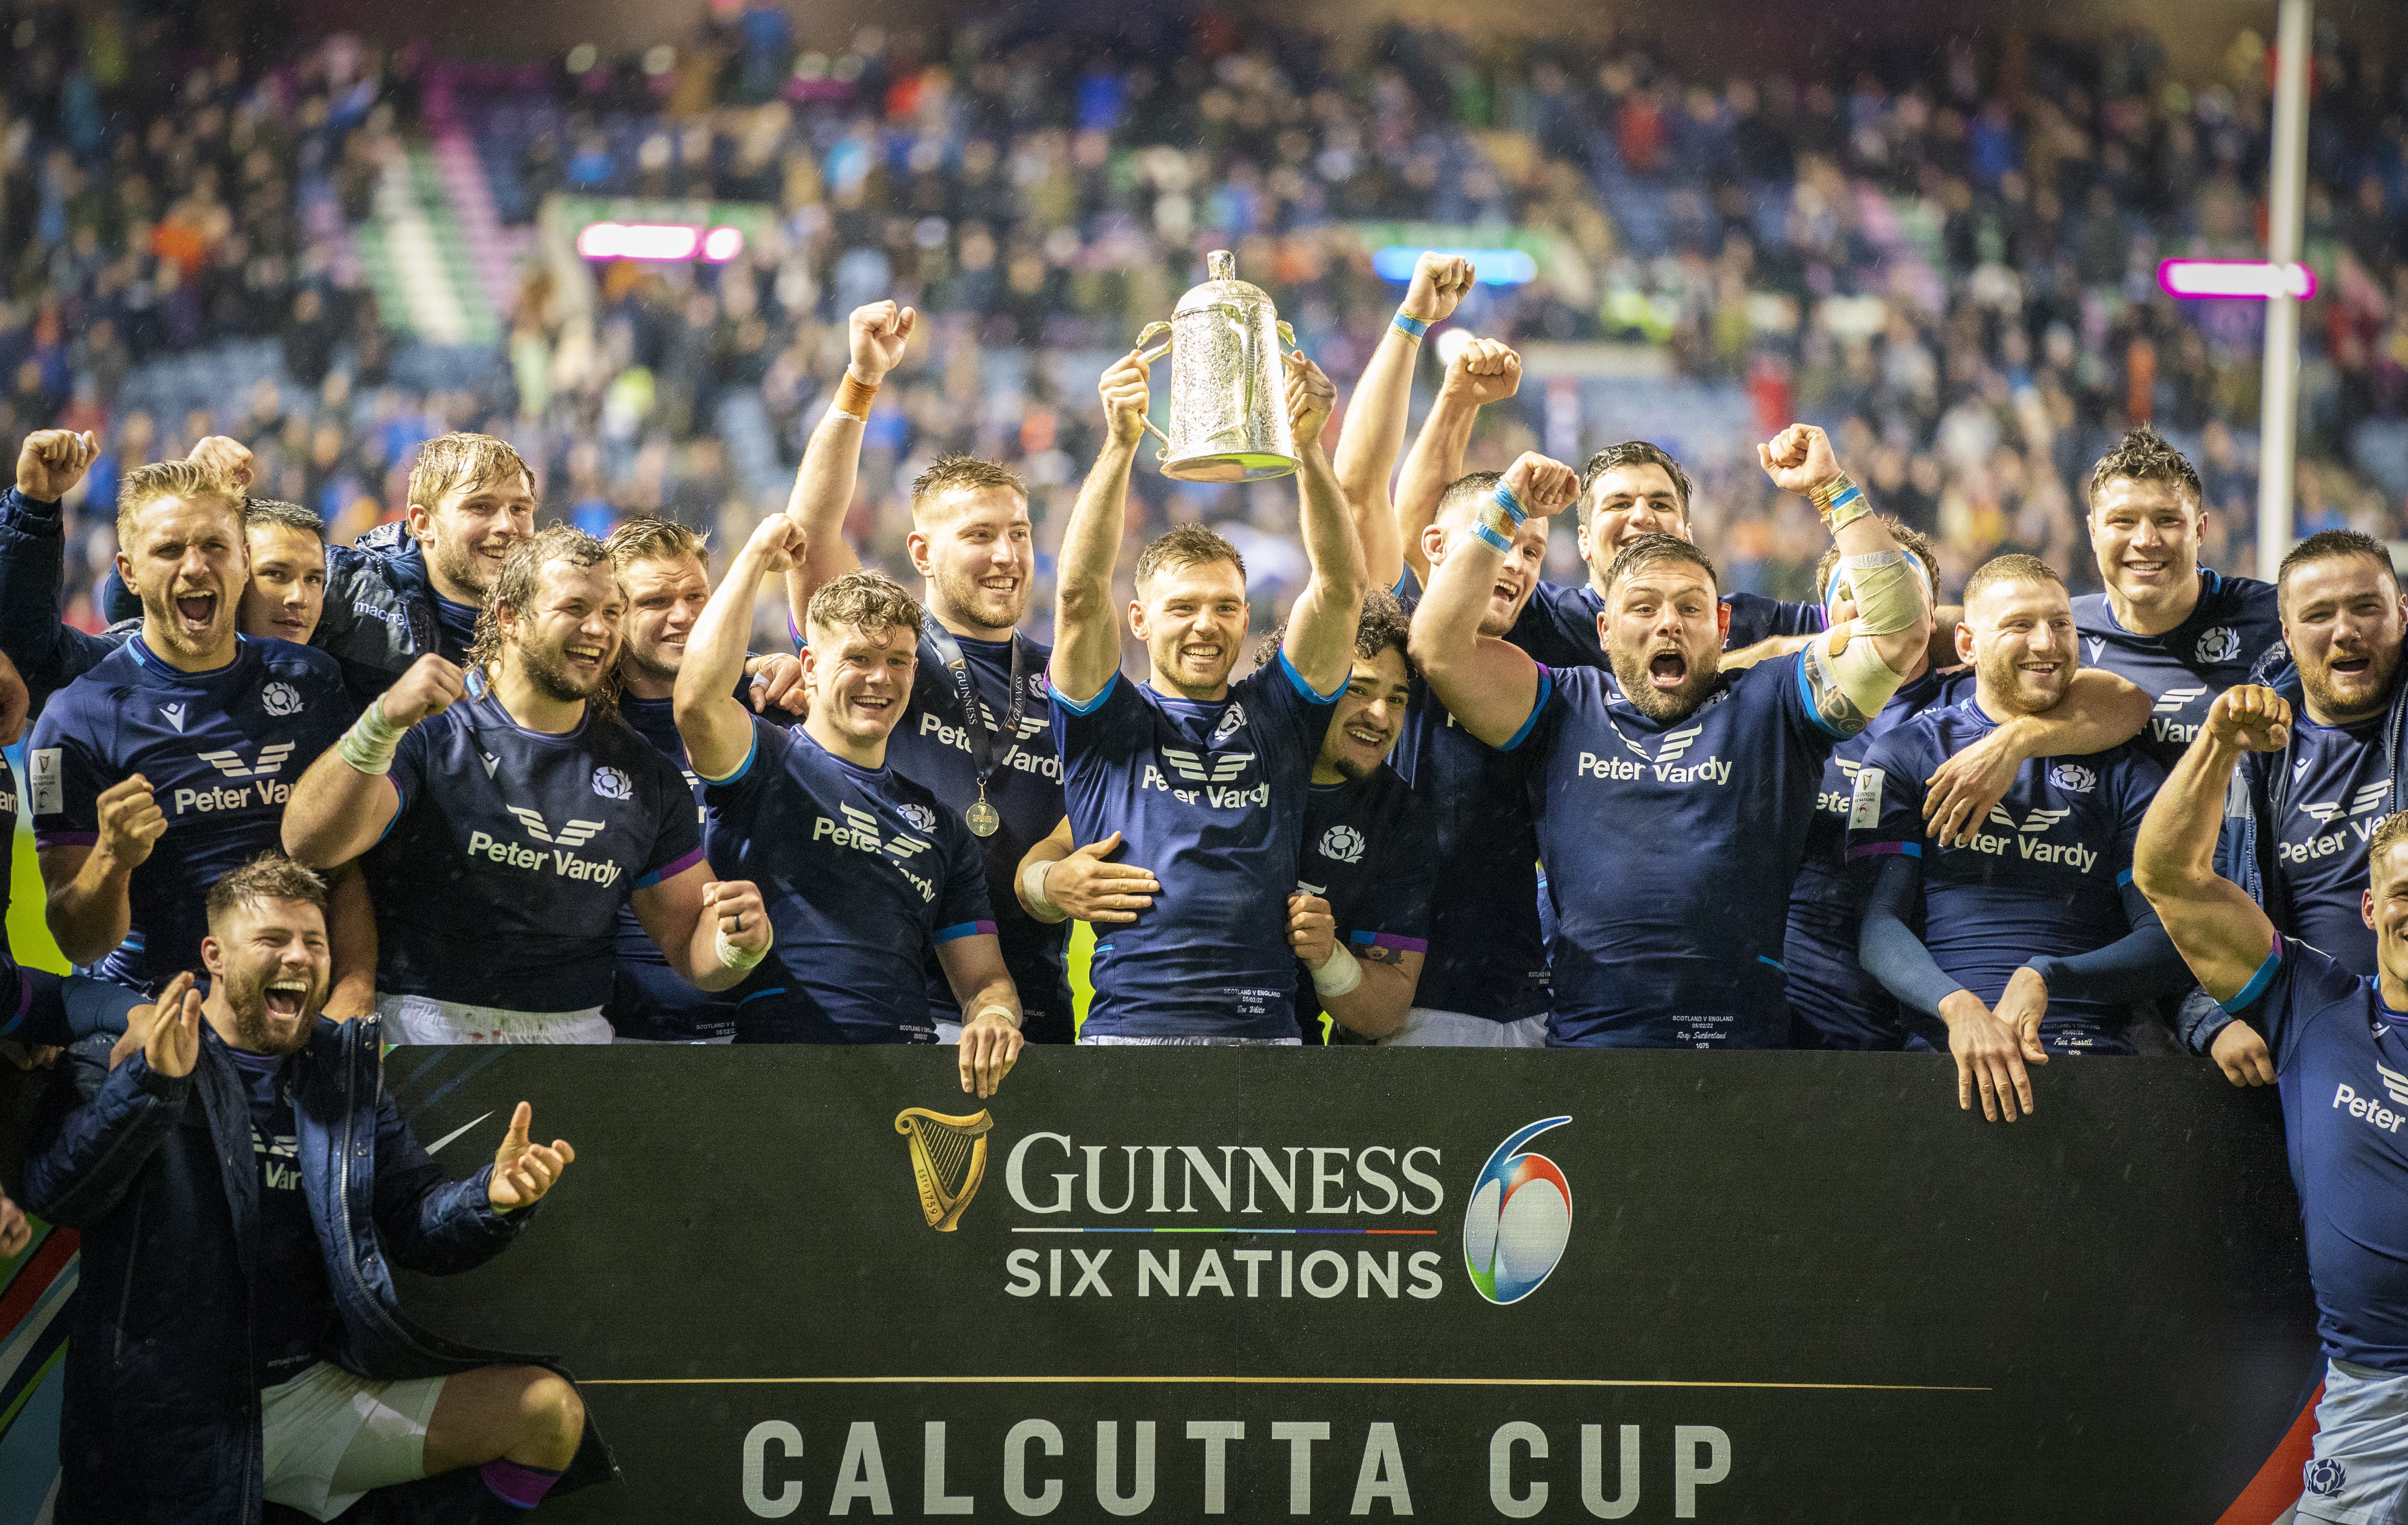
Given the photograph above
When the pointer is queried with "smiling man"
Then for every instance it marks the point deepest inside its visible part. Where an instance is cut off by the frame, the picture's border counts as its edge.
(979, 729)
(2181, 631)
(2301, 847)
(507, 816)
(170, 762)
(2034, 942)
(1672, 798)
(1205, 780)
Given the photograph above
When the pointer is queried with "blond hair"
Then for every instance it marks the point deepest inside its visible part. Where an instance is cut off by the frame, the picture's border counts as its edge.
(463, 460)
(646, 537)
(960, 471)
(188, 480)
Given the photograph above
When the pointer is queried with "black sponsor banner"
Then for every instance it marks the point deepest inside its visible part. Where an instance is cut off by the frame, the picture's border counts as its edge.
(805, 1282)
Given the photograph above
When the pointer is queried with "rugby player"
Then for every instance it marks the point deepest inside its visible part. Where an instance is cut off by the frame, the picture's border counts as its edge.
(873, 876)
(2337, 1040)
(2299, 847)
(1672, 799)
(1833, 1001)
(1206, 781)
(507, 816)
(168, 763)
(979, 729)
(2181, 632)
(2035, 943)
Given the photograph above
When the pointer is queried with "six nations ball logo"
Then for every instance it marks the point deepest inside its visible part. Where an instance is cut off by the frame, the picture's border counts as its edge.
(1518, 1221)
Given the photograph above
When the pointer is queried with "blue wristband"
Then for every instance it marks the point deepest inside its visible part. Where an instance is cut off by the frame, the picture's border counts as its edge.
(1488, 537)
(1505, 499)
(1410, 328)
(1851, 494)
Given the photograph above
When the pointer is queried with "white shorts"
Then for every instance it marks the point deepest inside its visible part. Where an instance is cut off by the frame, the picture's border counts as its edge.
(2359, 1472)
(1192, 1043)
(327, 1437)
(1428, 1027)
(422, 1019)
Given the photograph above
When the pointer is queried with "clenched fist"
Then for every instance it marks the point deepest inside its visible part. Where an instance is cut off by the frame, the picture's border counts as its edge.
(1438, 286)
(1545, 486)
(1484, 371)
(432, 685)
(875, 336)
(2252, 717)
(52, 462)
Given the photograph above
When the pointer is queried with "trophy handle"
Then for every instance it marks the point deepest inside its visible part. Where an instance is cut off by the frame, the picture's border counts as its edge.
(1149, 358)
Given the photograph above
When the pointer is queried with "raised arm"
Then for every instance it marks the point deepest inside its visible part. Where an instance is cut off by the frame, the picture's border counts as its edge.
(875, 336)
(1086, 627)
(716, 728)
(1321, 627)
(1891, 601)
(345, 801)
(1483, 371)
(1487, 685)
(2222, 934)
(1381, 406)
(2099, 710)
(48, 653)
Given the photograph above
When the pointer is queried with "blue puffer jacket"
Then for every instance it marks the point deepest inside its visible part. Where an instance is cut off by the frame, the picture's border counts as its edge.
(161, 1420)
(2257, 797)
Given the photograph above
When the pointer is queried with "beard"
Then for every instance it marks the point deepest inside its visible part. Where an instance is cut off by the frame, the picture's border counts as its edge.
(2367, 692)
(2001, 673)
(1630, 669)
(547, 670)
(254, 1031)
(659, 668)
(163, 618)
(975, 605)
(462, 565)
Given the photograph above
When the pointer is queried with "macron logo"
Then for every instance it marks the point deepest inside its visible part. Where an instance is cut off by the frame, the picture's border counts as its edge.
(575, 834)
(2174, 699)
(1189, 766)
(229, 762)
(175, 716)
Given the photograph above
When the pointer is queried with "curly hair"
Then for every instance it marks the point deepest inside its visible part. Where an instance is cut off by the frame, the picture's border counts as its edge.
(929, 487)
(161, 479)
(865, 601)
(270, 876)
(1188, 545)
(2143, 456)
(463, 460)
(1381, 625)
(515, 586)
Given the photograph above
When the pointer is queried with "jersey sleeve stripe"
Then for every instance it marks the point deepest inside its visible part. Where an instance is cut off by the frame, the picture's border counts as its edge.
(2247, 994)
(65, 838)
(751, 752)
(1076, 707)
(2123, 879)
(1875, 849)
(1307, 689)
(1388, 939)
(965, 928)
(1538, 707)
(669, 871)
(1813, 711)
(773, 990)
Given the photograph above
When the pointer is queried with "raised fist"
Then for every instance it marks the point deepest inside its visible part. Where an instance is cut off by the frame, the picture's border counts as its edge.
(1311, 398)
(52, 462)
(2252, 717)
(228, 458)
(1124, 390)
(1798, 459)
(1438, 286)
(1484, 371)
(779, 542)
(432, 685)
(875, 337)
(1544, 485)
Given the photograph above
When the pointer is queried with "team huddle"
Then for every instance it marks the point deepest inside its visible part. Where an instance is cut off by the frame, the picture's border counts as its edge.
(473, 780)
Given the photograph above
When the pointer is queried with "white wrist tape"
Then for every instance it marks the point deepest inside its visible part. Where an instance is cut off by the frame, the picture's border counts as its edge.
(1032, 889)
(369, 746)
(734, 957)
(1889, 598)
(1340, 976)
(1004, 1011)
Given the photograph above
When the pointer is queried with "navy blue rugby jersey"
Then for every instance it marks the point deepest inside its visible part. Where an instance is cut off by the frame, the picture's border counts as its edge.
(2341, 1063)
(1370, 852)
(1671, 848)
(1210, 796)
(864, 873)
(1834, 1002)
(1487, 955)
(2042, 876)
(511, 854)
(650, 1000)
(221, 750)
(1558, 625)
(2341, 785)
(2233, 636)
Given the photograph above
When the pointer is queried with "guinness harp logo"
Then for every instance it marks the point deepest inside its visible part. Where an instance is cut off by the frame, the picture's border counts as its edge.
(948, 1159)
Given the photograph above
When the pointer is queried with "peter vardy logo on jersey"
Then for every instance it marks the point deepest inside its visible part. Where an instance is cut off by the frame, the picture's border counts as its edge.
(1211, 781)
(281, 699)
(859, 832)
(612, 784)
(1342, 845)
(263, 767)
(562, 859)
(1671, 765)
(2074, 776)
(2172, 702)
(2358, 817)
(1016, 756)
(2371, 1111)
(2030, 842)
(2221, 645)
(1519, 1220)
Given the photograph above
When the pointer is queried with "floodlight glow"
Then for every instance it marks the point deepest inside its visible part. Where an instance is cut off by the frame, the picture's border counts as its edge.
(721, 244)
(643, 240)
(1489, 266)
(2236, 278)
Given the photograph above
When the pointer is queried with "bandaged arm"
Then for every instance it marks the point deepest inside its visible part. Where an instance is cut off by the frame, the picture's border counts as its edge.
(1849, 672)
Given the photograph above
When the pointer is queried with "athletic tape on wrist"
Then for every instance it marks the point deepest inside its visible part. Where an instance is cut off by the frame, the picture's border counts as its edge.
(1410, 328)
(1503, 498)
(1487, 536)
(1032, 889)
(1004, 1011)
(835, 411)
(369, 746)
(853, 397)
(1886, 601)
(735, 957)
(1340, 976)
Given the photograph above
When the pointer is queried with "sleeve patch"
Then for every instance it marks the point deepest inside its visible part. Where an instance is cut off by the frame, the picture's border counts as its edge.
(1864, 810)
(44, 764)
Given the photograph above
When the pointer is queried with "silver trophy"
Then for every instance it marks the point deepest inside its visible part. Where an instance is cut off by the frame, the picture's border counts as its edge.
(1229, 387)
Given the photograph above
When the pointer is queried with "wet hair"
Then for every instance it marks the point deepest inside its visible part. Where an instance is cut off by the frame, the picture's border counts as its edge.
(2143, 456)
(147, 485)
(1647, 550)
(1188, 545)
(270, 510)
(951, 471)
(1913, 541)
(1381, 625)
(1634, 453)
(646, 537)
(270, 876)
(2010, 568)
(865, 601)
(2333, 545)
(463, 460)
(514, 588)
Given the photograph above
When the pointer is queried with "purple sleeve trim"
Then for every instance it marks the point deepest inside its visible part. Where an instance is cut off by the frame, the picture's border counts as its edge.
(669, 871)
(65, 838)
(967, 929)
(1878, 849)
(1389, 939)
